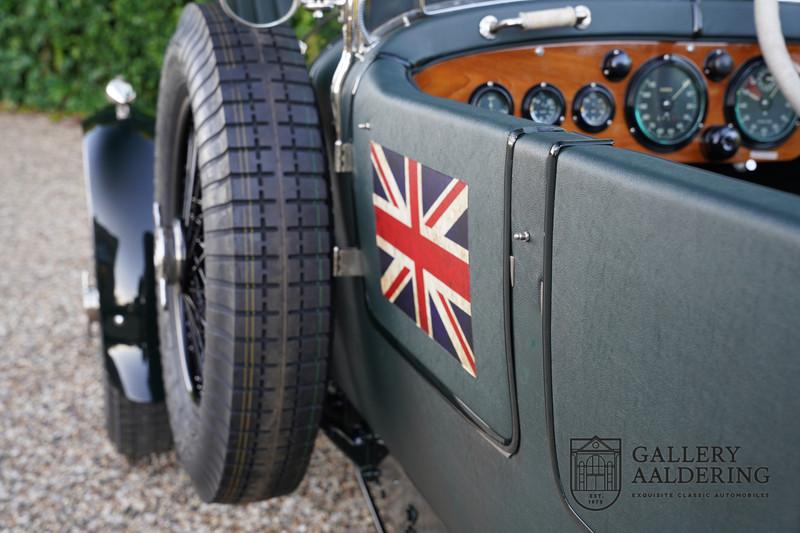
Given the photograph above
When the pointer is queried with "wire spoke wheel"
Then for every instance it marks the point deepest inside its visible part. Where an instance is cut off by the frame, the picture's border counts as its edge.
(192, 277)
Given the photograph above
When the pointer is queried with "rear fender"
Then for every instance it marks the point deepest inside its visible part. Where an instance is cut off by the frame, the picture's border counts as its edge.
(118, 167)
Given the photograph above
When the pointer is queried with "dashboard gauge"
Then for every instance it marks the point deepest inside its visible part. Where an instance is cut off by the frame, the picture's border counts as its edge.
(493, 97)
(666, 103)
(544, 104)
(755, 105)
(593, 108)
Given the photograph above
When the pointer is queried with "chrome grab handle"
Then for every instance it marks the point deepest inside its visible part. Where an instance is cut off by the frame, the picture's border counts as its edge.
(563, 17)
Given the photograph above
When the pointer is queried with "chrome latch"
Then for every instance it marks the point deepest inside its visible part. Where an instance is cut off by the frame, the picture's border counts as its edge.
(347, 262)
(579, 17)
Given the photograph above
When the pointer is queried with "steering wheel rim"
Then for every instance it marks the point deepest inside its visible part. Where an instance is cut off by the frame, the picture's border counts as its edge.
(776, 54)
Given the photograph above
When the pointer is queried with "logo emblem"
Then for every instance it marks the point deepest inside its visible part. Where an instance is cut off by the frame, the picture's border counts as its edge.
(595, 471)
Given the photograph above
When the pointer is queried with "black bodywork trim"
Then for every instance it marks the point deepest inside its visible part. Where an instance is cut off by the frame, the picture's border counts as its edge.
(550, 170)
(118, 158)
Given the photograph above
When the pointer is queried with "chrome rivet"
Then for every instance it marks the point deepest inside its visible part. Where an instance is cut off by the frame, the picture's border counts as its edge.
(523, 236)
(119, 320)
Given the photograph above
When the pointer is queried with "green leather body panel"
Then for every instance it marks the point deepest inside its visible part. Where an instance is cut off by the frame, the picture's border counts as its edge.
(674, 323)
(400, 122)
(673, 295)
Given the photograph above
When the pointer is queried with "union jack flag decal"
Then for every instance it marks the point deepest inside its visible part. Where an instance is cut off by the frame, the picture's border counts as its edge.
(421, 232)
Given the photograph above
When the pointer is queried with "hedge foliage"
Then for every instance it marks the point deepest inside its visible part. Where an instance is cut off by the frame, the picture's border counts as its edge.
(57, 55)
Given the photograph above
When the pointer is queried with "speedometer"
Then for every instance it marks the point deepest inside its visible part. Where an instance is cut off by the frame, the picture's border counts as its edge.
(666, 103)
(757, 107)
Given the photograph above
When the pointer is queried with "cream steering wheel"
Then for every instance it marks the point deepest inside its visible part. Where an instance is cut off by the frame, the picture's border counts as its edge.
(773, 48)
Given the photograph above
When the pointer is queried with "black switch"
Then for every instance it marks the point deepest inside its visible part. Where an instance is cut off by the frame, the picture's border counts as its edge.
(720, 142)
(718, 65)
(616, 64)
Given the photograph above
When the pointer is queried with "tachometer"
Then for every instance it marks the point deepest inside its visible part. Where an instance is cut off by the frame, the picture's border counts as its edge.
(757, 107)
(544, 104)
(666, 103)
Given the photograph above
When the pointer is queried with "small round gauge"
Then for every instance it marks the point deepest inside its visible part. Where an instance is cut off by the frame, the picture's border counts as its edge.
(593, 107)
(493, 97)
(666, 103)
(757, 107)
(544, 104)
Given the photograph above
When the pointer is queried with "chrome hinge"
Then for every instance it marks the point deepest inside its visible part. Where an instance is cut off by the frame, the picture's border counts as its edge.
(342, 157)
(512, 267)
(347, 262)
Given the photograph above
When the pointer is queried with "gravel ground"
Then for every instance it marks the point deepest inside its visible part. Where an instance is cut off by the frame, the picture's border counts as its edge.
(57, 470)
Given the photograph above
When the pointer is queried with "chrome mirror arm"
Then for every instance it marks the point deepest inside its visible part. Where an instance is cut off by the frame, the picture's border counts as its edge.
(355, 40)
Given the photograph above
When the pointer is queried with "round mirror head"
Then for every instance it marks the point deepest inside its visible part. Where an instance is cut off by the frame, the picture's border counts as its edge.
(260, 13)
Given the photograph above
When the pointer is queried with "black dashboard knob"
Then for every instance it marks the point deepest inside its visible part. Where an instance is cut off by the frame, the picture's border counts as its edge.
(718, 65)
(720, 142)
(616, 64)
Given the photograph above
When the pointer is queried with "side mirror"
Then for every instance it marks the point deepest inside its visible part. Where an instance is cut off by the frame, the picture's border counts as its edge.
(260, 13)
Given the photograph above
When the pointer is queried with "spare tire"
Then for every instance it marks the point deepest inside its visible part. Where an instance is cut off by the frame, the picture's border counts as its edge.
(242, 255)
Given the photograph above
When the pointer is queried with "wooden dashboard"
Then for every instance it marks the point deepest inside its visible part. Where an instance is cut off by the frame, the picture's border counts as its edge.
(571, 66)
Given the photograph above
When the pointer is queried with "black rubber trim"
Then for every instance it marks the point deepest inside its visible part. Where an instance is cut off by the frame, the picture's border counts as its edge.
(547, 299)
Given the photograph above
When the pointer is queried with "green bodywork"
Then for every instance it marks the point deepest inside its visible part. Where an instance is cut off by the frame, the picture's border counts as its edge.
(656, 305)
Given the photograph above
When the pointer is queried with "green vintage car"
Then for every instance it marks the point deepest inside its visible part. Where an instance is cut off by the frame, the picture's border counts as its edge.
(543, 257)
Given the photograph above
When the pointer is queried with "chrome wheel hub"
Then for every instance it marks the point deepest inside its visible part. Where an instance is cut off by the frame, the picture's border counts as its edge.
(169, 254)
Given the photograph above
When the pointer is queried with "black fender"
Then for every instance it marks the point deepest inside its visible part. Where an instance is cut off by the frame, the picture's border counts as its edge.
(118, 167)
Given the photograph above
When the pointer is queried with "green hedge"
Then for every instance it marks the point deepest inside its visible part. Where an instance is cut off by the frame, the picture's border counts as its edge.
(57, 55)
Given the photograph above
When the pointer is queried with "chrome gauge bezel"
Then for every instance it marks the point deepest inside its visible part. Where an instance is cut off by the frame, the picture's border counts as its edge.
(582, 93)
(730, 107)
(489, 87)
(549, 88)
(630, 97)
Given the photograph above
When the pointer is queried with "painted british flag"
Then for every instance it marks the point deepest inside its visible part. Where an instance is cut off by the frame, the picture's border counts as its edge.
(421, 232)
